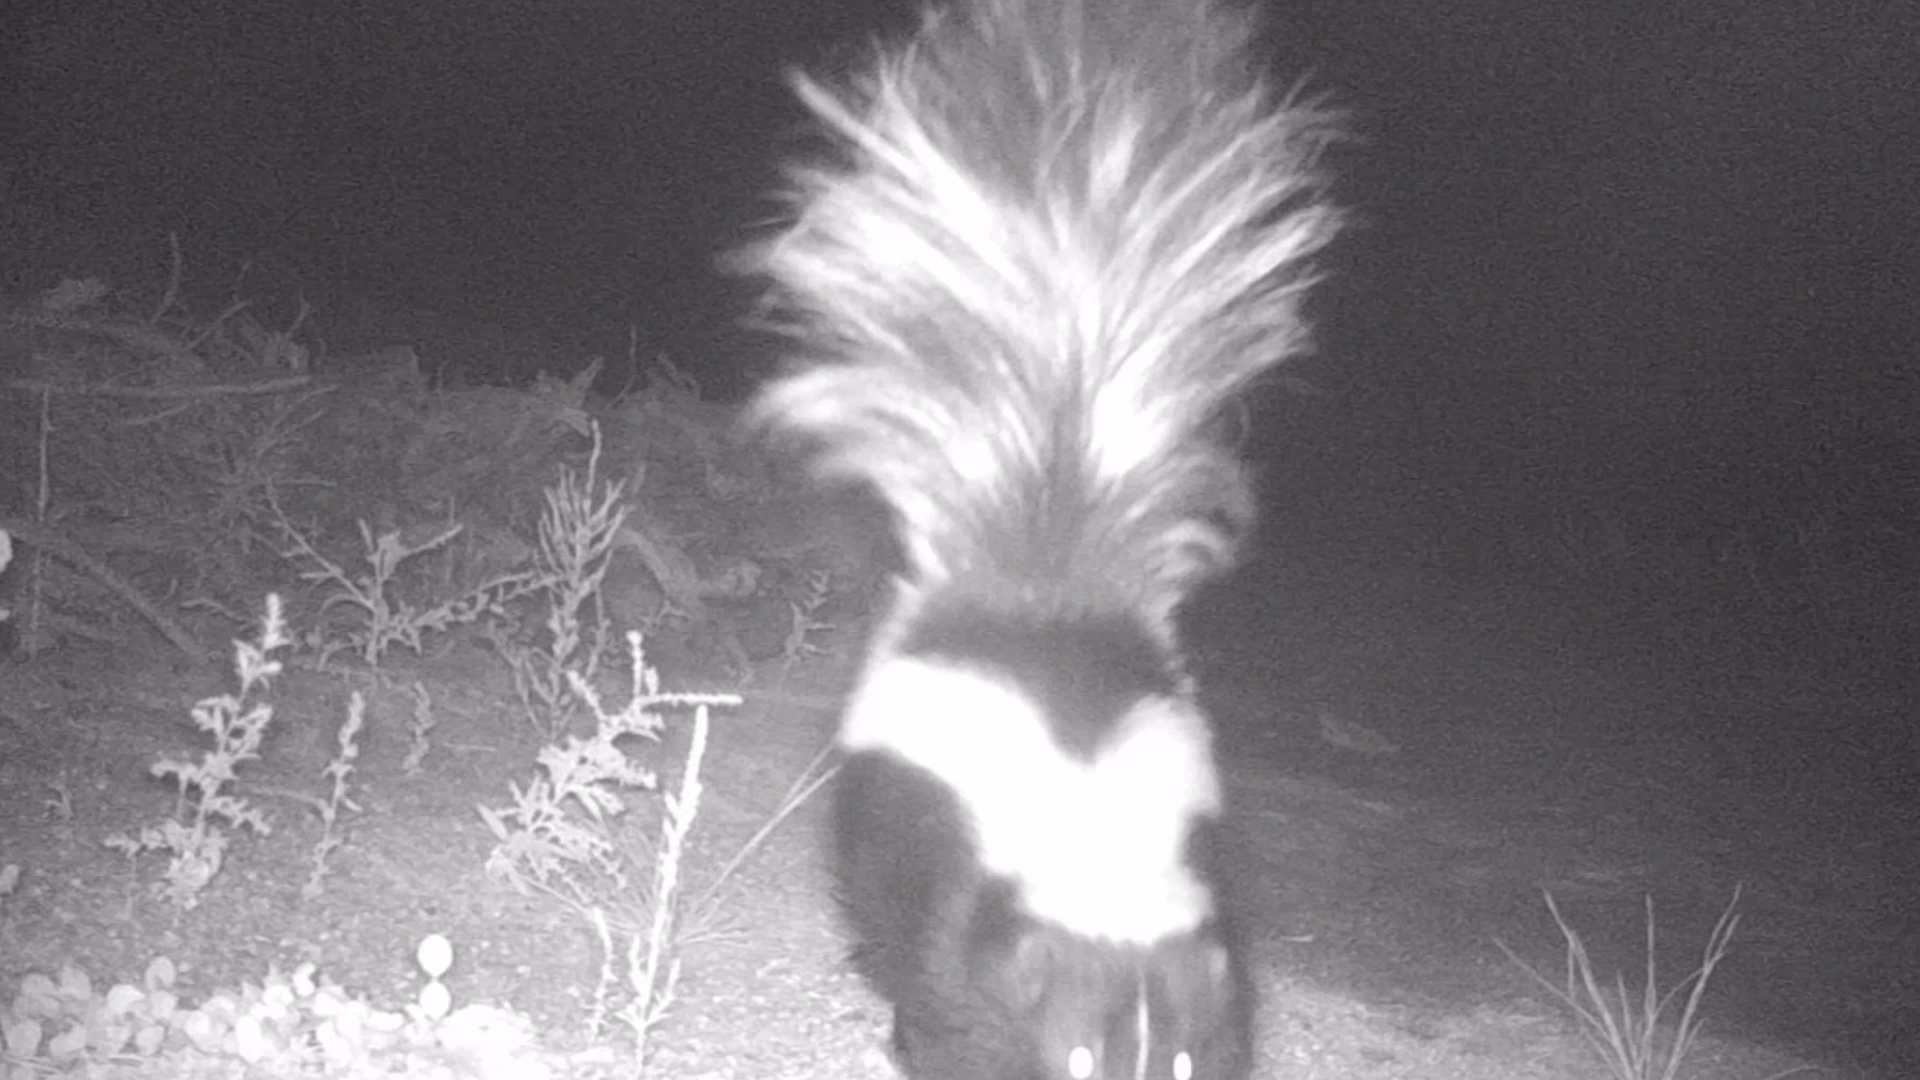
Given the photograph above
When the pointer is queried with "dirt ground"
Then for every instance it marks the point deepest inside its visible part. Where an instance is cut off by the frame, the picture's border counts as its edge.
(1412, 773)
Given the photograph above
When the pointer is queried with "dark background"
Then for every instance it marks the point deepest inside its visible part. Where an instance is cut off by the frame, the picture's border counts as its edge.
(1625, 332)
(1651, 264)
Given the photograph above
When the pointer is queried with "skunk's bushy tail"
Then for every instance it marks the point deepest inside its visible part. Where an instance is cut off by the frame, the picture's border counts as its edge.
(1056, 237)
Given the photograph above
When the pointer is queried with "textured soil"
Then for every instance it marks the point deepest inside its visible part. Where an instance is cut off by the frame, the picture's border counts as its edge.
(1413, 773)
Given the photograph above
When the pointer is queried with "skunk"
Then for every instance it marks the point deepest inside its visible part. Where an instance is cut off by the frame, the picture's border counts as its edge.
(1053, 239)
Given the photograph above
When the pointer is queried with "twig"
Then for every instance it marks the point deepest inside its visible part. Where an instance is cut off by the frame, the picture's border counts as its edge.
(168, 298)
(798, 793)
(161, 393)
(219, 320)
(52, 540)
(138, 337)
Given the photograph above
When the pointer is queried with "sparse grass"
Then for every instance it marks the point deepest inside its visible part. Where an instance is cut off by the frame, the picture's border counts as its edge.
(243, 456)
(377, 616)
(420, 732)
(653, 960)
(814, 592)
(1625, 1030)
(339, 771)
(555, 840)
(578, 530)
(207, 809)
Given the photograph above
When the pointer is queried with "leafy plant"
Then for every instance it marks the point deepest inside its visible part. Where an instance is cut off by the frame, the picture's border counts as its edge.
(195, 836)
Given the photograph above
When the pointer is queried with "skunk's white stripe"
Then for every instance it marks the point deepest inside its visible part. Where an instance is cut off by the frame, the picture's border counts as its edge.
(1097, 847)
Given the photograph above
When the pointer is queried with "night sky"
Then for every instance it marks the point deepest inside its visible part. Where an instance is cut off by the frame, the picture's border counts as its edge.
(1651, 254)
